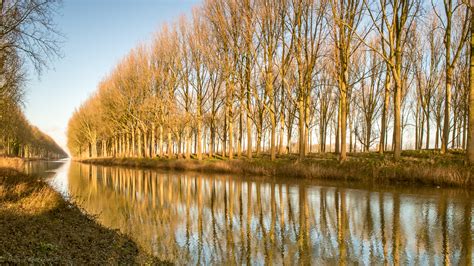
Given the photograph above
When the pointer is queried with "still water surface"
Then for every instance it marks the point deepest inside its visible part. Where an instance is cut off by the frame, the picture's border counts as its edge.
(207, 219)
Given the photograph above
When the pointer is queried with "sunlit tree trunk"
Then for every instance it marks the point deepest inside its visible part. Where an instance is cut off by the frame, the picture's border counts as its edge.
(383, 130)
(199, 128)
(301, 128)
(338, 128)
(225, 130)
(470, 136)
(153, 140)
(139, 143)
(447, 107)
(161, 141)
(281, 148)
(307, 117)
(133, 146)
(212, 140)
(230, 121)
(397, 130)
(451, 60)
(248, 121)
(239, 141)
(343, 155)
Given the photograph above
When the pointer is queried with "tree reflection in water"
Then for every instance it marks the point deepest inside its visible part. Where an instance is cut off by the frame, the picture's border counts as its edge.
(201, 218)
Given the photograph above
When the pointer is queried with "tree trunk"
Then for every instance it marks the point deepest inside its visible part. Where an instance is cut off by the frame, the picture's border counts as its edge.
(199, 130)
(161, 141)
(397, 118)
(453, 140)
(146, 143)
(470, 136)
(282, 119)
(368, 135)
(427, 128)
(351, 129)
(397, 121)
(464, 129)
(273, 136)
(248, 122)
(249, 136)
(301, 125)
(383, 130)
(307, 121)
(259, 140)
(94, 147)
(417, 126)
(321, 137)
(178, 145)
(288, 138)
(104, 148)
(343, 122)
(123, 145)
(170, 145)
(239, 143)
(213, 138)
(139, 144)
(231, 134)
(447, 108)
(153, 141)
(224, 139)
(133, 143)
(281, 149)
(338, 128)
(438, 126)
(128, 139)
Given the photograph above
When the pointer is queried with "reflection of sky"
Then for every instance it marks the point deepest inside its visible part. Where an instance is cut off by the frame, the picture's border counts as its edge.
(60, 180)
(98, 34)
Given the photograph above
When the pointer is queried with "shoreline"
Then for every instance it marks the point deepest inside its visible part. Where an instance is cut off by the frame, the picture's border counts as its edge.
(37, 225)
(426, 168)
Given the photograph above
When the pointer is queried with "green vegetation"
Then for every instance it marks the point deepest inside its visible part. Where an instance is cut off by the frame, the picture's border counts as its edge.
(415, 167)
(38, 226)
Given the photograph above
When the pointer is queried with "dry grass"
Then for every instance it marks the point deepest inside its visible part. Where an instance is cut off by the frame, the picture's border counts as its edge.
(11, 163)
(38, 226)
(422, 168)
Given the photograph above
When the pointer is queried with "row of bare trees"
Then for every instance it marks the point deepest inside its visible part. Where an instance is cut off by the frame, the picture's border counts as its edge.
(246, 77)
(27, 35)
(21, 139)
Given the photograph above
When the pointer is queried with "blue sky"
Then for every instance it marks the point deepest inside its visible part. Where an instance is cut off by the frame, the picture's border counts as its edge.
(98, 34)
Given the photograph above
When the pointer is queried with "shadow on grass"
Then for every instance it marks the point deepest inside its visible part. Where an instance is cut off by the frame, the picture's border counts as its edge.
(38, 226)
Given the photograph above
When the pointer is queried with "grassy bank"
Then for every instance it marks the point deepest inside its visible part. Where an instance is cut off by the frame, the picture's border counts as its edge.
(38, 226)
(416, 167)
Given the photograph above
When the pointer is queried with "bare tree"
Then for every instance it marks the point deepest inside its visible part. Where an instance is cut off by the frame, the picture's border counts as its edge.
(346, 16)
(27, 33)
(456, 27)
(391, 20)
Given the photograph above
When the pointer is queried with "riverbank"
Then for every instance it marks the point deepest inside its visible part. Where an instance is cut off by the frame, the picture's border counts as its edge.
(38, 226)
(427, 168)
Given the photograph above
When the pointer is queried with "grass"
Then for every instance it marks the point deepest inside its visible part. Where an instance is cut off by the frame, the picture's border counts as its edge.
(37, 226)
(416, 167)
(11, 164)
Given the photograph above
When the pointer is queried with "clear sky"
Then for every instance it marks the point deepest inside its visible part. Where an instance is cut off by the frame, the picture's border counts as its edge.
(98, 34)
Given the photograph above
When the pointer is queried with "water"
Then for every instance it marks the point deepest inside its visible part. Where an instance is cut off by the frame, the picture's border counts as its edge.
(221, 219)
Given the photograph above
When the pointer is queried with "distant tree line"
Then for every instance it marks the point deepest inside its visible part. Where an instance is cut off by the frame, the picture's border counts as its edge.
(27, 35)
(21, 139)
(291, 76)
